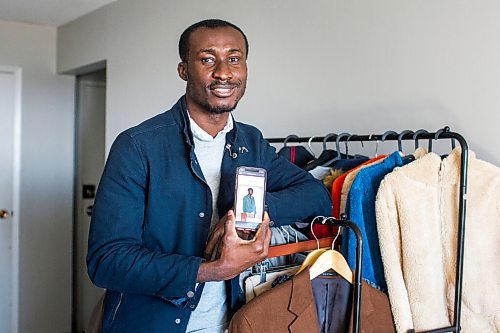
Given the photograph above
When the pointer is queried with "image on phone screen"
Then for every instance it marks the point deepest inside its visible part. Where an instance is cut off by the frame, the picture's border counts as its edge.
(250, 191)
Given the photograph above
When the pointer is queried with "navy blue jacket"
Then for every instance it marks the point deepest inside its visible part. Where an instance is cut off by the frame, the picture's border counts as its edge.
(152, 216)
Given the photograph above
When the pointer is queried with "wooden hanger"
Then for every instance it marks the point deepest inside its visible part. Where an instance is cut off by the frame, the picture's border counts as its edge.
(331, 259)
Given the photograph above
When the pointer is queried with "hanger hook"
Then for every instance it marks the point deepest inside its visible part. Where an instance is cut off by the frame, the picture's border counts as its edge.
(337, 140)
(387, 133)
(287, 234)
(416, 134)
(346, 144)
(400, 138)
(292, 136)
(312, 230)
(309, 145)
(339, 229)
(325, 139)
(371, 137)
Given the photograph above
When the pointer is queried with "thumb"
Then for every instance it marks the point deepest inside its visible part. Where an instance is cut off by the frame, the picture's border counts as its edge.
(229, 226)
(266, 217)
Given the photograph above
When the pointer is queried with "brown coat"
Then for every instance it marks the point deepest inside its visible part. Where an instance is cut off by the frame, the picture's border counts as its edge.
(290, 307)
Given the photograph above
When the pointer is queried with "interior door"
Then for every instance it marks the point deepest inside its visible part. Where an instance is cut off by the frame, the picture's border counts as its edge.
(8, 224)
(90, 118)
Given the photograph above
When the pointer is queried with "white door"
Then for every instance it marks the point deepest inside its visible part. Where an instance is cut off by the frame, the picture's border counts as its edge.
(9, 185)
(90, 116)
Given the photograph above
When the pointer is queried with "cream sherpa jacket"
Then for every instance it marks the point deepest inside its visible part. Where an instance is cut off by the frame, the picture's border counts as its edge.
(417, 212)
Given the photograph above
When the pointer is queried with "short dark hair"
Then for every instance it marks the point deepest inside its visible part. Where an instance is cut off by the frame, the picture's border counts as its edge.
(210, 24)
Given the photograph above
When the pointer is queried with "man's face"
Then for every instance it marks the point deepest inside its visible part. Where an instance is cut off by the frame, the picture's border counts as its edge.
(216, 69)
(250, 192)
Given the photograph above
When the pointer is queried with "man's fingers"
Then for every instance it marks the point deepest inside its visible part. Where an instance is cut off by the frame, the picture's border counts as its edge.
(212, 242)
(229, 225)
(261, 234)
(266, 216)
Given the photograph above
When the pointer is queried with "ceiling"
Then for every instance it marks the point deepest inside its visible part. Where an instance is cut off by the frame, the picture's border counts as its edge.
(47, 12)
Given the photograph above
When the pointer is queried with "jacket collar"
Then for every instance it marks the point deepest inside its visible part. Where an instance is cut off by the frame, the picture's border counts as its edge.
(180, 114)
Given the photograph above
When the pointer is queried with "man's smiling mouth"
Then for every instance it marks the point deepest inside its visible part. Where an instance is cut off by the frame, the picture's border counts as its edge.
(223, 91)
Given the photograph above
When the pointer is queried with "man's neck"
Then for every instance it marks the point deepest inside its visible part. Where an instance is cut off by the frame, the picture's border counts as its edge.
(211, 123)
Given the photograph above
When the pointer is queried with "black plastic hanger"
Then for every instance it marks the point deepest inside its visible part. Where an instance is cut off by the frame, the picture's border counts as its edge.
(298, 155)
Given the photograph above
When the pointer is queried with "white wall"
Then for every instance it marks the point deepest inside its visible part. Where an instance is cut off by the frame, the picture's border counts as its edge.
(46, 178)
(315, 66)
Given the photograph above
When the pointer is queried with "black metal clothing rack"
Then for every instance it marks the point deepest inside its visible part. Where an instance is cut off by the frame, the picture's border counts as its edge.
(444, 133)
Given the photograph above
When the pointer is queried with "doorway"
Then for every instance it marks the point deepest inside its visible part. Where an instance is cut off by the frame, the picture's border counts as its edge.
(89, 164)
(10, 148)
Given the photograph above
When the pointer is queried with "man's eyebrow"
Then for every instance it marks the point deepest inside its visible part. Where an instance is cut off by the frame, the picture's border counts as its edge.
(206, 51)
(212, 51)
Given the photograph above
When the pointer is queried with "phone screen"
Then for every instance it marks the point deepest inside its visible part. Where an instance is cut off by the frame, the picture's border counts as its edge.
(250, 192)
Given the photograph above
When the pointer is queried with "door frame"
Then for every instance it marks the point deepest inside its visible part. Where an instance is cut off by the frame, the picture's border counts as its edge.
(77, 189)
(16, 177)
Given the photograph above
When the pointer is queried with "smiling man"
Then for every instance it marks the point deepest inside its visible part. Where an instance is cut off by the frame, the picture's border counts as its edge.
(162, 239)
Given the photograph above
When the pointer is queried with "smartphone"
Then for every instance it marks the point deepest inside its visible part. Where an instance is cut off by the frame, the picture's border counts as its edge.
(249, 194)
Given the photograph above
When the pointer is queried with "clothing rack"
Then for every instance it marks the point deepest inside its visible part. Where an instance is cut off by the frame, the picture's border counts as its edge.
(441, 134)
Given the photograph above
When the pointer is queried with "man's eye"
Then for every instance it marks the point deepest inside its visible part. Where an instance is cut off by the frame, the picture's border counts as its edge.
(208, 60)
(234, 59)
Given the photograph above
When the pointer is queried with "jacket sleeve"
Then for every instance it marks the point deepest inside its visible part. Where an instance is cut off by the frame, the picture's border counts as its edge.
(292, 194)
(117, 258)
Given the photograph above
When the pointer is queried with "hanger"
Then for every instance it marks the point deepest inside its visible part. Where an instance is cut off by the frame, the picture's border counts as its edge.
(415, 137)
(291, 136)
(337, 147)
(386, 134)
(313, 255)
(331, 259)
(400, 138)
(309, 145)
(376, 145)
(325, 156)
(297, 154)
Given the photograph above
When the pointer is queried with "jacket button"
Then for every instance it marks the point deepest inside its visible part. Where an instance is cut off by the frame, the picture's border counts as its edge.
(190, 294)
(201, 214)
(177, 321)
(192, 306)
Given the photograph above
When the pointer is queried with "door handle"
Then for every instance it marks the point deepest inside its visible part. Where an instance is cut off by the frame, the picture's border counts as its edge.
(4, 214)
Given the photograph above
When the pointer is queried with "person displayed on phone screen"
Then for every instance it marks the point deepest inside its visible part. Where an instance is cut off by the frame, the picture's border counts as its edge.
(249, 204)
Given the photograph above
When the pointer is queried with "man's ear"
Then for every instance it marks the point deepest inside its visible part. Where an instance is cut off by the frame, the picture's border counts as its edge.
(182, 71)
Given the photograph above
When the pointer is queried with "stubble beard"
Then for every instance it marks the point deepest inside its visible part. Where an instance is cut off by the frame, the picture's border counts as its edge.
(216, 109)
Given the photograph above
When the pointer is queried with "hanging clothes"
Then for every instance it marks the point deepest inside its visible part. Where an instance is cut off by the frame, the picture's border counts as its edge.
(346, 185)
(360, 209)
(322, 305)
(289, 307)
(338, 182)
(298, 155)
(417, 213)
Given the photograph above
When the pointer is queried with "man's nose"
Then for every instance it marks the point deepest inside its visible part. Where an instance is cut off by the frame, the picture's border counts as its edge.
(222, 71)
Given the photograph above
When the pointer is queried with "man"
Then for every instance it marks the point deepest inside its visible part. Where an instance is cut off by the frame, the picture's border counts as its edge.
(168, 185)
(249, 204)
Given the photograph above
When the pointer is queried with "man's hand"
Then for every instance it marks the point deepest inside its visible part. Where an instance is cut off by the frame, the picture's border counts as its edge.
(236, 254)
(215, 238)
